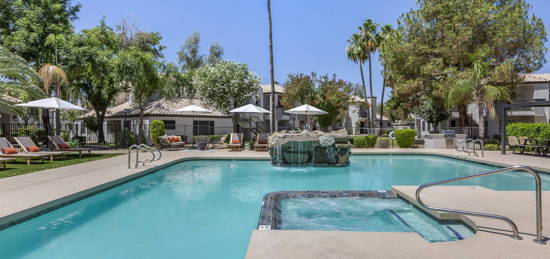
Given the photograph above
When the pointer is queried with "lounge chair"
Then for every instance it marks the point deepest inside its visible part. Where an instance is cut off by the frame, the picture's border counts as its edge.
(515, 144)
(235, 142)
(261, 142)
(28, 146)
(220, 144)
(5, 146)
(4, 161)
(171, 142)
(61, 145)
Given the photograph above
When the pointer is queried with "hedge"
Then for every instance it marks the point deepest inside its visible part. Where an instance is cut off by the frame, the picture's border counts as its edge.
(156, 129)
(404, 137)
(364, 141)
(530, 130)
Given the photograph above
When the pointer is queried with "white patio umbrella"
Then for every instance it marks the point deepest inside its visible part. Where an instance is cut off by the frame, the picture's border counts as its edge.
(250, 109)
(193, 109)
(306, 110)
(51, 103)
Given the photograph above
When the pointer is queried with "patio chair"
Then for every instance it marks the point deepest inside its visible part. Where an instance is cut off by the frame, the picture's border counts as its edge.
(514, 143)
(220, 144)
(539, 146)
(28, 146)
(61, 145)
(235, 142)
(8, 151)
(261, 142)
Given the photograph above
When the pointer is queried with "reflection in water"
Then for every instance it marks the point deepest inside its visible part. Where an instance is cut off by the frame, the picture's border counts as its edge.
(203, 179)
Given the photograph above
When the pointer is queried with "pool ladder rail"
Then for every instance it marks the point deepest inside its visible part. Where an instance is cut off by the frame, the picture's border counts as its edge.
(462, 146)
(145, 148)
(538, 204)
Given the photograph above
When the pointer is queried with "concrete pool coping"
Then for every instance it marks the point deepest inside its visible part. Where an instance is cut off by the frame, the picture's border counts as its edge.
(29, 195)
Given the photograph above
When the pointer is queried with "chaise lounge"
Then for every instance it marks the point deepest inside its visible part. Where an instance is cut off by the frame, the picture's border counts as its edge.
(28, 146)
(61, 145)
(8, 151)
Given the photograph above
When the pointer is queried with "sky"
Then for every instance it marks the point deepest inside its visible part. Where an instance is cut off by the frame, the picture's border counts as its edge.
(308, 35)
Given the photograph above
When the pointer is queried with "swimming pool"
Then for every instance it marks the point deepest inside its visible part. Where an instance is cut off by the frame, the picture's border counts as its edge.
(207, 208)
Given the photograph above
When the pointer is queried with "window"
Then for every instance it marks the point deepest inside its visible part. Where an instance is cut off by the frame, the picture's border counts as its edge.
(203, 128)
(423, 126)
(169, 125)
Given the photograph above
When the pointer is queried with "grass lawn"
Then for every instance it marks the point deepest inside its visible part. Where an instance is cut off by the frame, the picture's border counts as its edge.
(20, 166)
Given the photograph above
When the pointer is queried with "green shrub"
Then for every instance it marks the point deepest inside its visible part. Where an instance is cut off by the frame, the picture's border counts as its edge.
(530, 130)
(364, 141)
(66, 134)
(125, 138)
(156, 129)
(491, 147)
(36, 134)
(383, 142)
(404, 137)
(371, 140)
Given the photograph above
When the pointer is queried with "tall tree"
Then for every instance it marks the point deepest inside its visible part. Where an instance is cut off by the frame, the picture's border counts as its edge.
(26, 25)
(326, 92)
(190, 59)
(226, 85)
(356, 53)
(273, 116)
(215, 54)
(423, 57)
(92, 70)
(383, 36)
(138, 69)
(369, 32)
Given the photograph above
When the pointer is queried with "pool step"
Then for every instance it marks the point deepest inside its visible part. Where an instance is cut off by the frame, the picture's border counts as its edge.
(424, 226)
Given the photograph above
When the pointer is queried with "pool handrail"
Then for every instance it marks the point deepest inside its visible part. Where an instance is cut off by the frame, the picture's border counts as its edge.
(540, 237)
(465, 143)
(142, 147)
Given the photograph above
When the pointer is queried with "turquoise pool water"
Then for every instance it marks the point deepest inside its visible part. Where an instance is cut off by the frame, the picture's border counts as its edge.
(367, 214)
(207, 209)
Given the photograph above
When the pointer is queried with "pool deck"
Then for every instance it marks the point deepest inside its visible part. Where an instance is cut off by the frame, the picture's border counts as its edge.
(26, 195)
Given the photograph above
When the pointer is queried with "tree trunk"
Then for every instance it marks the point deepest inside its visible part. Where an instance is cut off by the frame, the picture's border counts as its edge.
(363, 78)
(481, 122)
(57, 122)
(382, 102)
(462, 114)
(100, 132)
(371, 94)
(141, 126)
(271, 70)
(47, 124)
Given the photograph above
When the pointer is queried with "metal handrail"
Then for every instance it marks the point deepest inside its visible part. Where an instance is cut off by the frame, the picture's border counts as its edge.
(142, 147)
(540, 238)
(465, 146)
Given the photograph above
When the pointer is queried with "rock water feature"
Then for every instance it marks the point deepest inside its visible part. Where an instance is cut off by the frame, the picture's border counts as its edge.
(309, 148)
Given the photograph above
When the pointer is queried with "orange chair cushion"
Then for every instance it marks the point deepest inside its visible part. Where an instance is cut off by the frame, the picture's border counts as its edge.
(33, 148)
(9, 150)
(63, 146)
(235, 141)
(262, 141)
(174, 139)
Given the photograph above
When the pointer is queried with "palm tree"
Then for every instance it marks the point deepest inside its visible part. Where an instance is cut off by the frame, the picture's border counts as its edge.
(384, 35)
(52, 75)
(368, 32)
(17, 79)
(357, 55)
(271, 71)
(475, 84)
